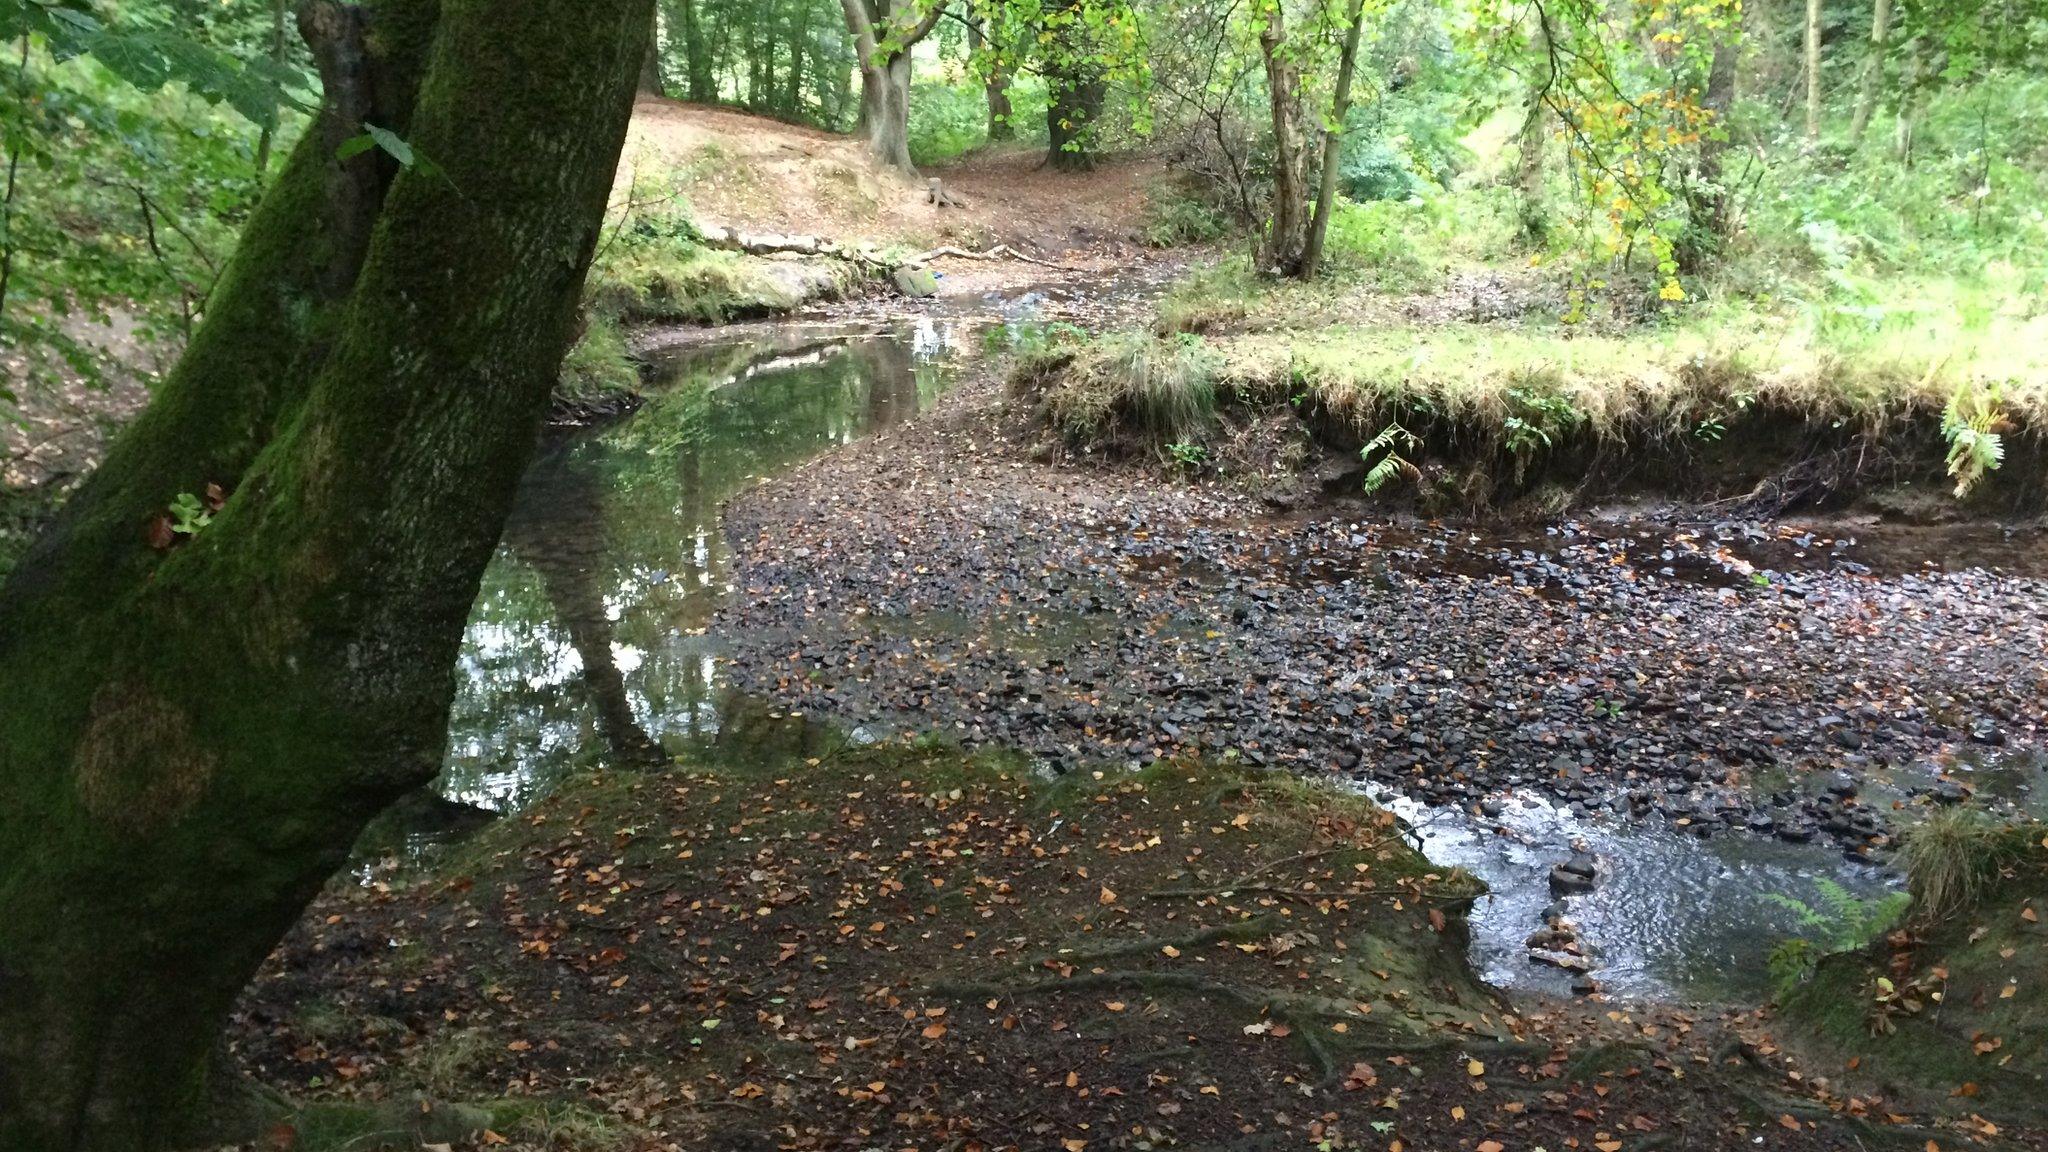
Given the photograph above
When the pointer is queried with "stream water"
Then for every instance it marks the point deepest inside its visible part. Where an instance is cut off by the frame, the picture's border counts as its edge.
(593, 640)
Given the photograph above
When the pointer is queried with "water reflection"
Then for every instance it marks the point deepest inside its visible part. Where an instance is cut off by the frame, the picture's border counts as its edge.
(590, 636)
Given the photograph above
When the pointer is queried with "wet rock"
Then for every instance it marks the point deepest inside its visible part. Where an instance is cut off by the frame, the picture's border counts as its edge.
(1564, 881)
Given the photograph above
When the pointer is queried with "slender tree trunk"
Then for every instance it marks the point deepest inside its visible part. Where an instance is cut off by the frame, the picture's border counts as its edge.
(268, 134)
(1534, 141)
(7, 248)
(995, 88)
(1287, 233)
(1713, 202)
(1813, 69)
(793, 96)
(1873, 70)
(1333, 144)
(1910, 101)
(766, 97)
(196, 732)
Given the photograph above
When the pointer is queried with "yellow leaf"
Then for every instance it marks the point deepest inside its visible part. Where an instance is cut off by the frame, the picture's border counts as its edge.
(1474, 1068)
(1107, 897)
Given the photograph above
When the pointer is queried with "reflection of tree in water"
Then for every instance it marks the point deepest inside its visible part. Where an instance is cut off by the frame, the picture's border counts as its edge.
(613, 564)
(563, 539)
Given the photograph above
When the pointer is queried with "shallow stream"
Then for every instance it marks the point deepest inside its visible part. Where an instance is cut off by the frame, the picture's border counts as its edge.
(593, 640)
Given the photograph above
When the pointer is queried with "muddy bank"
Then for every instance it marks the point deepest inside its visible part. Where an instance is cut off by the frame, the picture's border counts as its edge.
(1716, 676)
(1462, 420)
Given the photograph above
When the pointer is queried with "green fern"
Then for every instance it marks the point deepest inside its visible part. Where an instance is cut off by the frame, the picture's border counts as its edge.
(1970, 424)
(1391, 442)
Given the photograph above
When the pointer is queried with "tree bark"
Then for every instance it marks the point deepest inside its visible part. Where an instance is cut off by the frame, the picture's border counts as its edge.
(1535, 139)
(882, 40)
(194, 735)
(1073, 105)
(703, 86)
(995, 89)
(1287, 233)
(1873, 70)
(1715, 203)
(650, 61)
(1333, 144)
(793, 96)
(1812, 70)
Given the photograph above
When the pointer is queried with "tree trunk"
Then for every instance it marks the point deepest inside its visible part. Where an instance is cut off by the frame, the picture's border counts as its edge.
(793, 97)
(703, 84)
(1535, 140)
(650, 61)
(995, 88)
(195, 734)
(1333, 144)
(1073, 105)
(1873, 70)
(268, 135)
(1813, 70)
(1719, 98)
(882, 41)
(1910, 101)
(1287, 234)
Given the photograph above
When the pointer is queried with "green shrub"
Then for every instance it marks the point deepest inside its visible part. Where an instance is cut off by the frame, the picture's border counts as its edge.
(1176, 215)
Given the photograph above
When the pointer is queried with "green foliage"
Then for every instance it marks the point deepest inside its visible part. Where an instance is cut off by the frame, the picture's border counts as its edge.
(1176, 215)
(1187, 455)
(1539, 414)
(1389, 445)
(1969, 423)
(189, 514)
(1841, 922)
(947, 119)
(599, 365)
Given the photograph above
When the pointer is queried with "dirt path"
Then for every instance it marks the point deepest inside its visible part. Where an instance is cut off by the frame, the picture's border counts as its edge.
(762, 175)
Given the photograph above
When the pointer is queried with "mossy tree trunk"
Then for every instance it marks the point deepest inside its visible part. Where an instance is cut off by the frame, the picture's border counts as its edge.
(195, 733)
